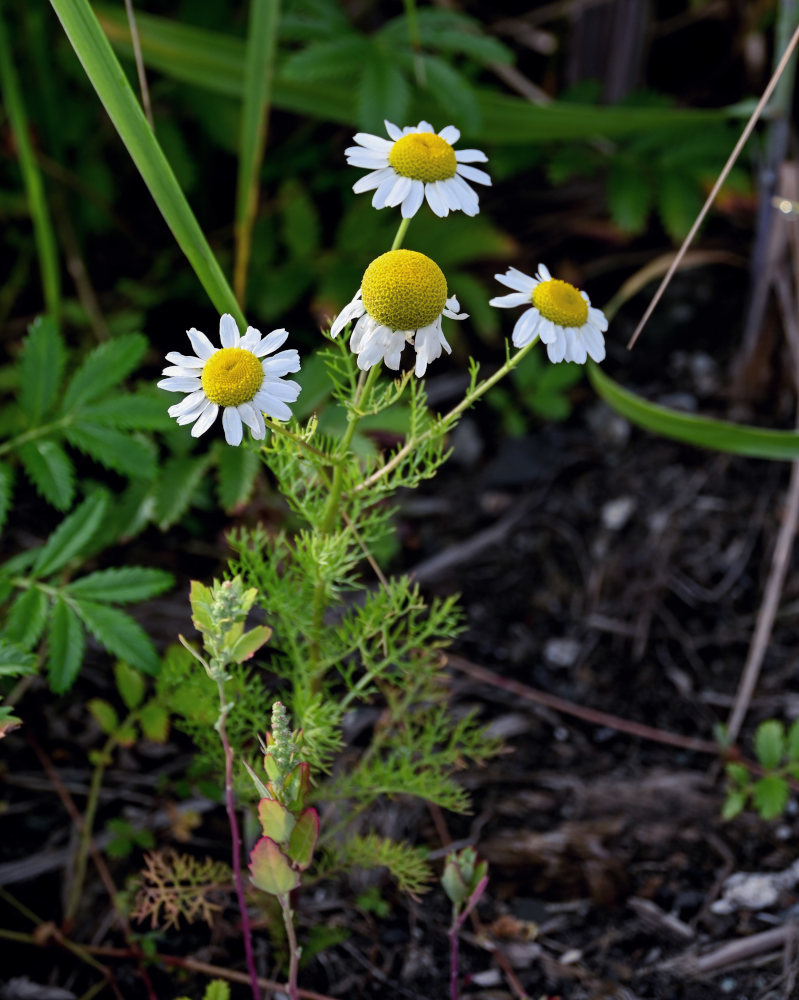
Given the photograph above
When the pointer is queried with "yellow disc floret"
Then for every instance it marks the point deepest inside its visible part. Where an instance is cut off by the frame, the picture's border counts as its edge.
(423, 156)
(232, 376)
(560, 302)
(404, 290)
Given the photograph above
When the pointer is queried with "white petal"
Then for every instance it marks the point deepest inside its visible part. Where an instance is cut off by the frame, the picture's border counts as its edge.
(284, 389)
(362, 331)
(598, 318)
(271, 342)
(393, 350)
(510, 300)
(179, 383)
(281, 364)
(380, 195)
(206, 418)
(547, 330)
(575, 348)
(473, 174)
(271, 406)
(470, 156)
(194, 401)
(373, 142)
(556, 351)
(188, 360)
(594, 342)
(349, 312)
(392, 130)
(525, 328)
(543, 272)
(231, 422)
(450, 134)
(368, 158)
(424, 127)
(449, 192)
(401, 188)
(180, 370)
(370, 181)
(413, 202)
(228, 331)
(435, 201)
(203, 347)
(451, 307)
(470, 203)
(250, 340)
(517, 280)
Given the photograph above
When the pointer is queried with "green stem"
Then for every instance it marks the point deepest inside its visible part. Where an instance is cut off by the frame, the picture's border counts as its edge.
(403, 228)
(279, 428)
(35, 432)
(294, 951)
(468, 400)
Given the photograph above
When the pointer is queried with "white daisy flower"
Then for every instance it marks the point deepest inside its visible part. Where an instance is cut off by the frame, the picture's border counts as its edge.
(234, 377)
(561, 315)
(402, 297)
(416, 164)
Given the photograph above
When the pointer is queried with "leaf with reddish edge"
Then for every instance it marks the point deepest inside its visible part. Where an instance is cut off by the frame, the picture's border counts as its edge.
(271, 870)
(249, 643)
(276, 821)
(200, 600)
(296, 785)
(303, 838)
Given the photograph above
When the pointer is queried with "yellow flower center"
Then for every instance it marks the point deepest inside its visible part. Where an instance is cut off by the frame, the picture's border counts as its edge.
(404, 290)
(560, 302)
(423, 156)
(232, 376)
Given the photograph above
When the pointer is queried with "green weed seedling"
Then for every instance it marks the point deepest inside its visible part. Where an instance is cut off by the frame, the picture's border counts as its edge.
(777, 752)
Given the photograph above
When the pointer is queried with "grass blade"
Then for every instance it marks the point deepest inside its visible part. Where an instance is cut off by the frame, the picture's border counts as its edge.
(37, 204)
(259, 67)
(114, 90)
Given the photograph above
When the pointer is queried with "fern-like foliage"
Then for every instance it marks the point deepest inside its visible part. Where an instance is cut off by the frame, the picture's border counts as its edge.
(407, 865)
(174, 886)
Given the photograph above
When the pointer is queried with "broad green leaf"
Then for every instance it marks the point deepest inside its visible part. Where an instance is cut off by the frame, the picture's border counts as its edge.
(249, 643)
(217, 989)
(105, 715)
(104, 368)
(129, 412)
(793, 741)
(237, 469)
(770, 743)
(73, 534)
(121, 584)
(27, 617)
(66, 646)
(679, 200)
(453, 93)
(276, 821)
(120, 634)
(330, 59)
(41, 367)
(114, 90)
(127, 735)
(6, 488)
(739, 773)
(154, 721)
(50, 470)
(130, 684)
(302, 840)
(15, 661)
(630, 196)
(177, 482)
(270, 869)
(733, 804)
(114, 449)
(704, 432)
(770, 796)
(382, 91)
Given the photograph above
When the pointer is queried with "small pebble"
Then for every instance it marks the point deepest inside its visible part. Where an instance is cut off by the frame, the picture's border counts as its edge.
(728, 985)
(616, 513)
(561, 652)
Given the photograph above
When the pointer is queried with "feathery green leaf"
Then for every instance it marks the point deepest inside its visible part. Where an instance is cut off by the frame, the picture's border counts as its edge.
(41, 367)
(27, 617)
(116, 450)
(104, 368)
(120, 634)
(50, 470)
(121, 584)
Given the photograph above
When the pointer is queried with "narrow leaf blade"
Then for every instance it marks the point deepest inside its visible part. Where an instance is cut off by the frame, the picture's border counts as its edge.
(120, 634)
(67, 643)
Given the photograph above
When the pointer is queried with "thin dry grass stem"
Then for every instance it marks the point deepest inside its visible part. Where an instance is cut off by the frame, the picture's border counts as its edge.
(787, 293)
(136, 44)
(736, 152)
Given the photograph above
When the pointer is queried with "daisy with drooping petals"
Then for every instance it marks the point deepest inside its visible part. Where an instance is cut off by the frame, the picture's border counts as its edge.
(238, 377)
(402, 297)
(561, 315)
(415, 164)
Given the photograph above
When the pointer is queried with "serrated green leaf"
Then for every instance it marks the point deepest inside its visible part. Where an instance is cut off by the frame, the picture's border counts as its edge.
(6, 488)
(130, 684)
(105, 715)
(630, 196)
(383, 91)
(237, 469)
(66, 646)
(27, 617)
(73, 534)
(120, 585)
(177, 482)
(154, 721)
(14, 660)
(270, 869)
(452, 92)
(330, 59)
(793, 741)
(120, 634)
(129, 412)
(770, 743)
(733, 804)
(104, 368)
(41, 367)
(50, 470)
(114, 449)
(770, 796)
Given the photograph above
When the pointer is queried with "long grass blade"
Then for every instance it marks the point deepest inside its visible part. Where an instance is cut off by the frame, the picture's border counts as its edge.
(44, 236)
(114, 90)
(259, 67)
